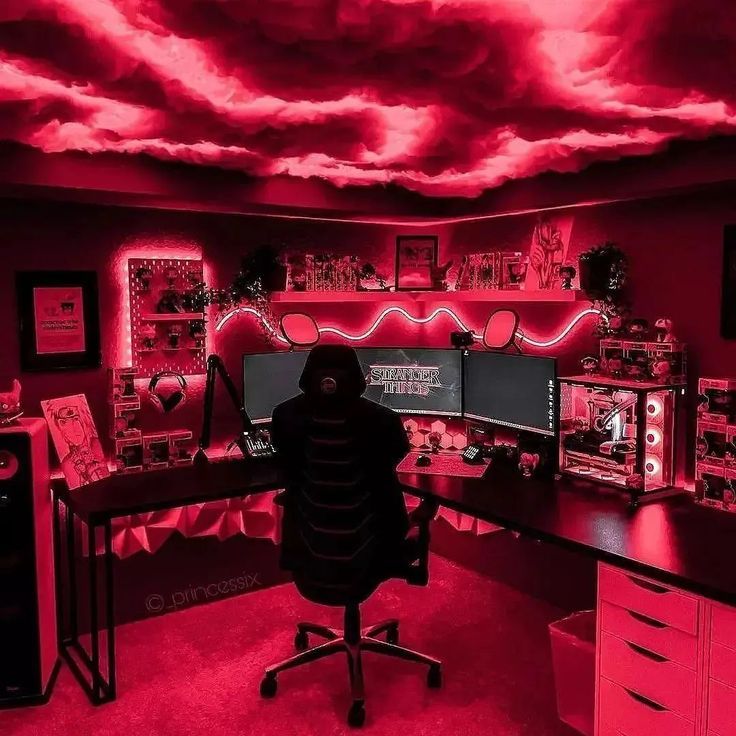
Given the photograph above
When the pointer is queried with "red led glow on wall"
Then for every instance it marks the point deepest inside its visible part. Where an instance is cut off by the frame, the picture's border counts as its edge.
(440, 97)
(437, 313)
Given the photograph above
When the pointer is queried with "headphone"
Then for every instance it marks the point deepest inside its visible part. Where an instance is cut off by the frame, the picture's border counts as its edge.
(168, 403)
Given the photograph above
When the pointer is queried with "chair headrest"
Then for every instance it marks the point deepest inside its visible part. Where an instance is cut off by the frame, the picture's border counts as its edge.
(332, 371)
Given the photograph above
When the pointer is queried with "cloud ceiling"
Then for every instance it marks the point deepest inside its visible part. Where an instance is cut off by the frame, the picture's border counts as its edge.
(445, 97)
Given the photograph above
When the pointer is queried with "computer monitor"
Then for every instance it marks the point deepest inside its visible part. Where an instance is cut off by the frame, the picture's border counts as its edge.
(269, 379)
(517, 391)
(414, 380)
(409, 380)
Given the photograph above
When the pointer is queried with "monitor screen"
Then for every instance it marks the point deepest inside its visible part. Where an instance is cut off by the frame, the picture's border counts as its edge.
(414, 380)
(411, 380)
(518, 391)
(269, 379)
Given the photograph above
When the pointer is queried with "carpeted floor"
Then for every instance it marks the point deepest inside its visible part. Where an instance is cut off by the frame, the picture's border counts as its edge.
(197, 671)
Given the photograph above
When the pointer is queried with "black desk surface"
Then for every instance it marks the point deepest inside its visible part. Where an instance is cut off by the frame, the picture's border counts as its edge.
(675, 540)
(137, 493)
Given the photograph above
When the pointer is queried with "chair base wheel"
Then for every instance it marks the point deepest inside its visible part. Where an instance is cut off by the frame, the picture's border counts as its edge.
(434, 677)
(268, 686)
(301, 641)
(356, 714)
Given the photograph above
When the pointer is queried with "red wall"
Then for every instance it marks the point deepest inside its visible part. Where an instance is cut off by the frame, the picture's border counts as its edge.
(674, 246)
(41, 235)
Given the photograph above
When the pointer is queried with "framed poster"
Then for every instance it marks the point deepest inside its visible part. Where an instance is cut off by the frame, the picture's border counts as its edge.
(59, 320)
(728, 289)
(416, 259)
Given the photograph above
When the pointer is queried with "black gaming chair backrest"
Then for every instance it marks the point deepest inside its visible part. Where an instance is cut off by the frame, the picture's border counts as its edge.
(336, 516)
(332, 374)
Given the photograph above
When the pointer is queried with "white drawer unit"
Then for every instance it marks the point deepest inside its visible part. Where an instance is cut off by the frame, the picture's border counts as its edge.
(649, 655)
(649, 598)
(721, 672)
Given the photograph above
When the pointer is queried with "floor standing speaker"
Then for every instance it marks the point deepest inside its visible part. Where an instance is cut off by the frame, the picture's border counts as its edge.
(28, 645)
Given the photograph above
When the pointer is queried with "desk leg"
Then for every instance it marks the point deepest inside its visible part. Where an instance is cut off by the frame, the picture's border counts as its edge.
(58, 575)
(94, 622)
(110, 613)
(71, 557)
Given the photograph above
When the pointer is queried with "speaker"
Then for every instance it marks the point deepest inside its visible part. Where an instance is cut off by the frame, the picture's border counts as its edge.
(28, 639)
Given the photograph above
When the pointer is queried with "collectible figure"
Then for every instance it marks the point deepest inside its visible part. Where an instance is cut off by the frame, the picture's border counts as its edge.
(148, 336)
(567, 274)
(729, 496)
(528, 462)
(590, 365)
(144, 275)
(174, 336)
(634, 370)
(170, 303)
(663, 330)
(434, 439)
(661, 370)
(10, 409)
(637, 329)
(701, 447)
(614, 325)
(171, 275)
(615, 366)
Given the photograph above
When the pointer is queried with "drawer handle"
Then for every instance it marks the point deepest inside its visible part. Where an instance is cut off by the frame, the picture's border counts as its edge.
(645, 701)
(646, 653)
(652, 587)
(641, 618)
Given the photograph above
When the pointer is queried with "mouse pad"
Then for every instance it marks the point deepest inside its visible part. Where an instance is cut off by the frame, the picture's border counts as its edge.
(442, 464)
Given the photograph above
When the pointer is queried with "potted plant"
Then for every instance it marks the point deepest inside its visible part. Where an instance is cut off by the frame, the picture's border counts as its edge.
(603, 271)
(262, 269)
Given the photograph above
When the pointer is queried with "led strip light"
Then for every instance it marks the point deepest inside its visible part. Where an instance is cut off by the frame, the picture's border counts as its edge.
(411, 318)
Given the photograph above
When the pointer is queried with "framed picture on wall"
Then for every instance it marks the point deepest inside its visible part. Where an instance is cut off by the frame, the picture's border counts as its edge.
(728, 290)
(416, 259)
(59, 321)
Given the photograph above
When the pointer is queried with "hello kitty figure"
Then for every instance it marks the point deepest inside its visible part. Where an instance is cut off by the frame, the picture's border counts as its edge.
(10, 410)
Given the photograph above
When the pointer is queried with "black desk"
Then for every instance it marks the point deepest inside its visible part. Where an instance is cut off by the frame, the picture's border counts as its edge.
(674, 540)
(123, 495)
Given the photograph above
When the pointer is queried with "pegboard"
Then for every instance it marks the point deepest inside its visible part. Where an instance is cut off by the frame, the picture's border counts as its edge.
(165, 334)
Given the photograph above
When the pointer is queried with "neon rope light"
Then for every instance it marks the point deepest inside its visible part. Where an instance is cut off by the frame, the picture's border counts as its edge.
(553, 341)
(538, 343)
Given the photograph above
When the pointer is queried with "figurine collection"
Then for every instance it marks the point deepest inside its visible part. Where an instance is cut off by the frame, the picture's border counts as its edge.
(631, 350)
(715, 443)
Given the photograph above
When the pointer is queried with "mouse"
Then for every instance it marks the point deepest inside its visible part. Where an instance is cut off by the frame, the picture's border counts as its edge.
(423, 461)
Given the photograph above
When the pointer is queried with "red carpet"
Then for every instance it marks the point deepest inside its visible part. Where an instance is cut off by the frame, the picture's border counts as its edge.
(197, 671)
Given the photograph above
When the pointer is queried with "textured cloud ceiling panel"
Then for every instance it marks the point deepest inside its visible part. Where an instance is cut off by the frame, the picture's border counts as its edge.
(444, 97)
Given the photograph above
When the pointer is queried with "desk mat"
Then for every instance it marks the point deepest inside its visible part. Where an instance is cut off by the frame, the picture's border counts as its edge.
(450, 463)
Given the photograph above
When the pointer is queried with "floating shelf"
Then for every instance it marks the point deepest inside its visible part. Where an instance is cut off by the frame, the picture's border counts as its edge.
(491, 295)
(173, 317)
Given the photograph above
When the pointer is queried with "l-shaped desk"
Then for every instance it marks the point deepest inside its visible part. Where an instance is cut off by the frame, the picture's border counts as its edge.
(667, 579)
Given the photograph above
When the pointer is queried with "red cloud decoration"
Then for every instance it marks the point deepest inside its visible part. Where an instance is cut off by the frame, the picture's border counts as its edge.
(445, 97)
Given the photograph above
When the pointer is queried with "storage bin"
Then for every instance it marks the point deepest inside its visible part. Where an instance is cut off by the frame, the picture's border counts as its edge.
(573, 658)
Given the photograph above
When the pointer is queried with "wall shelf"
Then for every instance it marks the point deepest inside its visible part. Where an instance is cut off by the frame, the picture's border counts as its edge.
(172, 317)
(492, 295)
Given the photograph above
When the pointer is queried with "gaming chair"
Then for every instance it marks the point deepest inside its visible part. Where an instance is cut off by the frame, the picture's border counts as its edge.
(334, 539)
